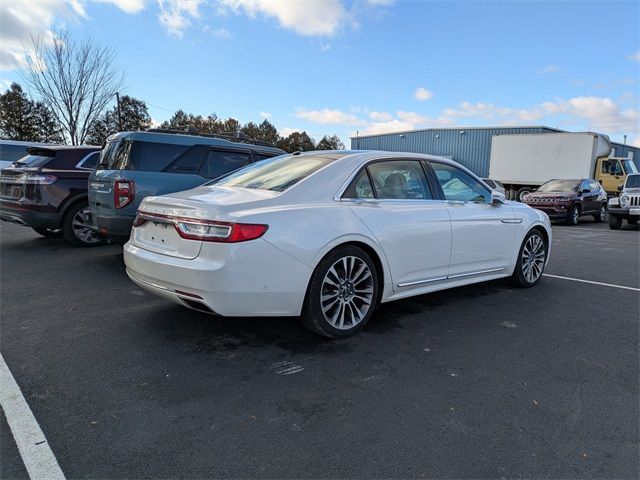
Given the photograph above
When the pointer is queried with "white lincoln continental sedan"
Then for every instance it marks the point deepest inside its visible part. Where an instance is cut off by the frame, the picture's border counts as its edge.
(329, 235)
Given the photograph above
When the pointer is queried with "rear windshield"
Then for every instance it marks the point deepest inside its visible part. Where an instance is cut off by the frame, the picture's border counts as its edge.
(34, 161)
(11, 153)
(135, 155)
(275, 174)
(559, 186)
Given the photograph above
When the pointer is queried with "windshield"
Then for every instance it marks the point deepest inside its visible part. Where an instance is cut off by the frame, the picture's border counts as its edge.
(559, 186)
(629, 166)
(276, 174)
(633, 181)
(33, 161)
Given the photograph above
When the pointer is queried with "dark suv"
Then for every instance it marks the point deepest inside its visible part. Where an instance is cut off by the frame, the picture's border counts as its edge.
(47, 191)
(134, 165)
(570, 199)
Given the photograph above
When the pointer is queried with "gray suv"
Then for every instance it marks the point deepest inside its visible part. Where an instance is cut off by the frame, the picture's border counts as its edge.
(134, 165)
(626, 206)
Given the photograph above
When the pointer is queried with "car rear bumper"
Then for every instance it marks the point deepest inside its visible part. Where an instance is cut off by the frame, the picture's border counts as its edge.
(117, 228)
(34, 216)
(237, 280)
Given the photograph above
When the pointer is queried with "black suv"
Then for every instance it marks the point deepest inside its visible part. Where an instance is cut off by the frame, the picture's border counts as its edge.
(47, 191)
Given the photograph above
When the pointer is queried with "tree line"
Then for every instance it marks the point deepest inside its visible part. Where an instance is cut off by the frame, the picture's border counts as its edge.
(77, 83)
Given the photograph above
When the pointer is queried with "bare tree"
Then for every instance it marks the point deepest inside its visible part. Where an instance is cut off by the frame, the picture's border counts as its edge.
(76, 80)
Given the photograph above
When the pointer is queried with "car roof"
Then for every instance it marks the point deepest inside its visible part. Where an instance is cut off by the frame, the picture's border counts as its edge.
(187, 139)
(366, 155)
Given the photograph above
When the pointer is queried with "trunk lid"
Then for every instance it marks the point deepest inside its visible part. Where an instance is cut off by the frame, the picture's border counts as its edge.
(159, 235)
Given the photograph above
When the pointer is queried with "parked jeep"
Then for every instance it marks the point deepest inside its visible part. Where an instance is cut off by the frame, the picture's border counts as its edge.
(627, 205)
(47, 191)
(134, 165)
(570, 199)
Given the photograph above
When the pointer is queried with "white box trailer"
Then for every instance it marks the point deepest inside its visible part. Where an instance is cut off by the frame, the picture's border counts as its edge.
(524, 162)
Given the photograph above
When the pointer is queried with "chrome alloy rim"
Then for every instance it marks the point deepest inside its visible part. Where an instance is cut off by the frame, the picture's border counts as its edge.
(81, 228)
(346, 294)
(603, 212)
(533, 256)
(576, 215)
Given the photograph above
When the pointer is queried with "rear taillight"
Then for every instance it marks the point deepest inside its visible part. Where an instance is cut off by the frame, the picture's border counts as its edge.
(206, 230)
(124, 192)
(31, 179)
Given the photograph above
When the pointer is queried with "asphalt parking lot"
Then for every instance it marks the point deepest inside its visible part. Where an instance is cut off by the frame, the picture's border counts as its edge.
(486, 381)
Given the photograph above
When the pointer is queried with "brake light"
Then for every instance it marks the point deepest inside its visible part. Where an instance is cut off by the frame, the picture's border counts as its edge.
(31, 179)
(124, 192)
(205, 230)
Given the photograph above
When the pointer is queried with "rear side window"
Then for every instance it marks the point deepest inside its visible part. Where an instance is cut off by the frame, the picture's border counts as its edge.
(219, 163)
(399, 179)
(153, 157)
(90, 161)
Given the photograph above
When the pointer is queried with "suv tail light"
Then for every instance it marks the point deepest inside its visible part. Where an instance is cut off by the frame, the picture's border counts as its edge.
(206, 230)
(124, 191)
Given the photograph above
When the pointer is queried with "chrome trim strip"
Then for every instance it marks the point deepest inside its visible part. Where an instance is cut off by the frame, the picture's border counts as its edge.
(511, 220)
(154, 285)
(419, 282)
(438, 279)
(460, 275)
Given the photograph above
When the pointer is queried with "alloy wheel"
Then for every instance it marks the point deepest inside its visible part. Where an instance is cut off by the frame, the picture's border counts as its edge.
(576, 215)
(603, 213)
(346, 294)
(533, 257)
(81, 229)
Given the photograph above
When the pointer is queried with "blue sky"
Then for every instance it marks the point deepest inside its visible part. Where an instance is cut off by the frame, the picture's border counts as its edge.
(339, 66)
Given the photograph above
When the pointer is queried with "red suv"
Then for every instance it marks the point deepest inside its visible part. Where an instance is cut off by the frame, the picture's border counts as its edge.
(47, 191)
(570, 199)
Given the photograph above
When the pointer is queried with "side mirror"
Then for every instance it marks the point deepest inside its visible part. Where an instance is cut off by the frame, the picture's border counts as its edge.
(497, 198)
(620, 187)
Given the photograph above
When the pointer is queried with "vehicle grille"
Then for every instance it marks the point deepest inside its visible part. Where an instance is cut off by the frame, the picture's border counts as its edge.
(542, 200)
(634, 200)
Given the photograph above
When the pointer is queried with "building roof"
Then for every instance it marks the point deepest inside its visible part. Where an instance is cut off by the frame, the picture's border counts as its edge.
(488, 127)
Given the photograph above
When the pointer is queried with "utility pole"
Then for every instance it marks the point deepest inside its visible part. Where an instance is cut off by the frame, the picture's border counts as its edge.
(119, 113)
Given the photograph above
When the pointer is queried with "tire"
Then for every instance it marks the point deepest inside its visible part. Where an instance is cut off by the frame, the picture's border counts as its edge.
(615, 222)
(601, 216)
(523, 192)
(573, 217)
(46, 232)
(532, 258)
(346, 284)
(75, 231)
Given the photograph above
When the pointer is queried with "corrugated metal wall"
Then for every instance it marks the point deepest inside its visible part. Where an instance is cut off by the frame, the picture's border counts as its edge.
(471, 148)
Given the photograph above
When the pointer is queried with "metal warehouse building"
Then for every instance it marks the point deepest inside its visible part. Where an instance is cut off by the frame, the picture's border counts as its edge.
(470, 146)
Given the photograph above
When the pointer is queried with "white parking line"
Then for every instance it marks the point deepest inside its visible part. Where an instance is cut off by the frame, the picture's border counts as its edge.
(38, 458)
(592, 282)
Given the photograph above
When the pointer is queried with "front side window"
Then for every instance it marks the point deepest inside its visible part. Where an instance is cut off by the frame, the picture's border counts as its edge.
(615, 168)
(459, 186)
(219, 163)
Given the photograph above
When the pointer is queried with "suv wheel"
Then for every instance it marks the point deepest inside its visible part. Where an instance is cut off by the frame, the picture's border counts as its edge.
(615, 222)
(49, 233)
(531, 260)
(76, 229)
(523, 192)
(574, 215)
(342, 294)
(601, 216)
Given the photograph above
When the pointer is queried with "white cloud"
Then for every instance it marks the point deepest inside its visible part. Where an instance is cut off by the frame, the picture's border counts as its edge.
(380, 3)
(596, 113)
(176, 15)
(328, 116)
(19, 21)
(548, 69)
(286, 131)
(221, 33)
(265, 115)
(380, 116)
(422, 94)
(308, 18)
(127, 6)
(634, 57)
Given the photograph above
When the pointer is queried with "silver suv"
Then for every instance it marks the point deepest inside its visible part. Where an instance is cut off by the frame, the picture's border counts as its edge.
(627, 205)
